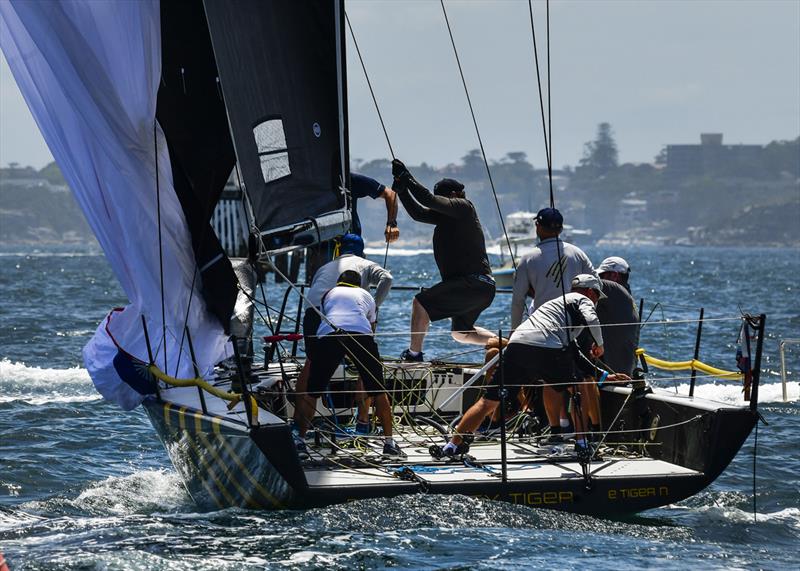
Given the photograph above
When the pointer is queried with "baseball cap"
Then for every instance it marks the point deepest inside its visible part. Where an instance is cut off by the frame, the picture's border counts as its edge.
(588, 281)
(550, 218)
(614, 264)
(352, 244)
(447, 185)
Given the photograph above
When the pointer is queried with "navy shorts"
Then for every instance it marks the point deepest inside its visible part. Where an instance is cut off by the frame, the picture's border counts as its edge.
(525, 365)
(362, 350)
(462, 299)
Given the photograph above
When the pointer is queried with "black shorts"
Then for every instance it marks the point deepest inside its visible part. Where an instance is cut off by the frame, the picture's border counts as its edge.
(329, 350)
(462, 299)
(311, 322)
(525, 365)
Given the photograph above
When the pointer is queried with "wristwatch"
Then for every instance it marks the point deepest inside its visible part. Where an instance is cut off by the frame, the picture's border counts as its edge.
(391, 223)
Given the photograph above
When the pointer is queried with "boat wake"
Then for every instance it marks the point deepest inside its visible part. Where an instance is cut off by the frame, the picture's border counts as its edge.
(731, 393)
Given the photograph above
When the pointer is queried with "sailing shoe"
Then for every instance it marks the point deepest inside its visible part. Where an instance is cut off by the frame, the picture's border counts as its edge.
(390, 448)
(409, 358)
(584, 452)
(362, 429)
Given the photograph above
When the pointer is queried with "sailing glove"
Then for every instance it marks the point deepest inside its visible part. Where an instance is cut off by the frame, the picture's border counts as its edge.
(399, 170)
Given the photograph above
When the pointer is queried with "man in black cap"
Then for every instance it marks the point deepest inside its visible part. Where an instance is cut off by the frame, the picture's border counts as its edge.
(467, 286)
(548, 270)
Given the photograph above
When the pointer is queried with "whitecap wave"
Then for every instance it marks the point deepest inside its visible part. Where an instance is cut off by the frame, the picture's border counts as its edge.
(37, 385)
(731, 393)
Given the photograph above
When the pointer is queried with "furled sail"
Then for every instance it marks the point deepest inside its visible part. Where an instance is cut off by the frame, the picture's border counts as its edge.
(90, 73)
(282, 68)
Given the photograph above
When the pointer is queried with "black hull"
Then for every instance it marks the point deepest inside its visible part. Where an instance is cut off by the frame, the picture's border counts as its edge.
(226, 466)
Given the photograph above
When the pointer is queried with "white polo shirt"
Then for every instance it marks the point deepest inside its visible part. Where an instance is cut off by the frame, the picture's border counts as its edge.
(349, 309)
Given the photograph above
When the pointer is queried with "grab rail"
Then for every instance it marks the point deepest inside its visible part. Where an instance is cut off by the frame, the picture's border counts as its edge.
(693, 365)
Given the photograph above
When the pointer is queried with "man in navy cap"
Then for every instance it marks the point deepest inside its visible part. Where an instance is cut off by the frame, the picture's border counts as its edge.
(547, 271)
(467, 286)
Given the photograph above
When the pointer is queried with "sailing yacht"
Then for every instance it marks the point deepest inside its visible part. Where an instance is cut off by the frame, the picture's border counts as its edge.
(147, 108)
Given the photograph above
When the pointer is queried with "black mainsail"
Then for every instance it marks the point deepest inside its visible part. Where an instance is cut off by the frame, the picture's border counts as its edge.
(281, 66)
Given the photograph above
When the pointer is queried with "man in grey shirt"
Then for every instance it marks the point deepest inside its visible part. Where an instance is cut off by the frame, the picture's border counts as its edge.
(541, 274)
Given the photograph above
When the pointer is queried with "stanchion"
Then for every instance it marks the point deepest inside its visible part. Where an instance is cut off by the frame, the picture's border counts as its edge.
(696, 350)
(502, 391)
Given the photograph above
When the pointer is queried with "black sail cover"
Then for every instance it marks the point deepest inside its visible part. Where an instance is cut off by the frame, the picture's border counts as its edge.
(191, 112)
(281, 64)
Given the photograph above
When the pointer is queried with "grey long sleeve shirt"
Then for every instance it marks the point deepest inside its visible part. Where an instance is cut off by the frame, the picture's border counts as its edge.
(371, 274)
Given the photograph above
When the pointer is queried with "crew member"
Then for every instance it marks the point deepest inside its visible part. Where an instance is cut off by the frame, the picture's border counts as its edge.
(615, 269)
(371, 274)
(541, 274)
(350, 315)
(541, 348)
(361, 186)
(467, 286)
(618, 316)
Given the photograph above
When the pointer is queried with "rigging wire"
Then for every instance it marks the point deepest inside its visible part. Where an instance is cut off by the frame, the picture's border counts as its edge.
(478, 133)
(377, 108)
(541, 105)
(160, 247)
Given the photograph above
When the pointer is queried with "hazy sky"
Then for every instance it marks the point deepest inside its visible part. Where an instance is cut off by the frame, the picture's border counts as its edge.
(660, 72)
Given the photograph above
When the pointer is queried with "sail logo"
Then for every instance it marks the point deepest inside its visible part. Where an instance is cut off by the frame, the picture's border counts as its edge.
(317, 130)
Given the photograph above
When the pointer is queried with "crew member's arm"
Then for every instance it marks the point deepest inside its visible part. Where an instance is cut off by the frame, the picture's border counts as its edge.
(586, 264)
(372, 312)
(392, 232)
(402, 181)
(381, 279)
(449, 207)
(519, 294)
(593, 323)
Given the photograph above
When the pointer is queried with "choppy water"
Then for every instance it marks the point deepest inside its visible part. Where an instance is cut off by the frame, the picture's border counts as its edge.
(85, 486)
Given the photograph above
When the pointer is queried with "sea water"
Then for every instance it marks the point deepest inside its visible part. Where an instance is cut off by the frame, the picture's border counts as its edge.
(84, 485)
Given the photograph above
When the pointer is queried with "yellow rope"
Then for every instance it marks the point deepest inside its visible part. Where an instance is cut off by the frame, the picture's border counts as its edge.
(195, 382)
(693, 365)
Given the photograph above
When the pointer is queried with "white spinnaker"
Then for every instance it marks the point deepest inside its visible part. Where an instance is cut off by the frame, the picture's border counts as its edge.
(89, 72)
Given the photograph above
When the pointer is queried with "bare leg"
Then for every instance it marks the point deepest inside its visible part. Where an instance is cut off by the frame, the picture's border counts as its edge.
(591, 400)
(420, 321)
(553, 404)
(302, 379)
(384, 410)
(473, 417)
(478, 336)
(363, 401)
(581, 421)
(304, 406)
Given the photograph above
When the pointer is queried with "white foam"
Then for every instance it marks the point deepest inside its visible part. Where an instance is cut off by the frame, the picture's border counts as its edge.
(731, 393)
(37, 385)
(144, 491)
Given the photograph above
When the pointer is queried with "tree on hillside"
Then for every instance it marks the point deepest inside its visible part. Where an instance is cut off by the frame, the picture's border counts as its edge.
(52, 174)
(600, 155)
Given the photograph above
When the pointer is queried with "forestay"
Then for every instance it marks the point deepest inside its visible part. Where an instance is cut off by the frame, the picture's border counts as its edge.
(89, 72)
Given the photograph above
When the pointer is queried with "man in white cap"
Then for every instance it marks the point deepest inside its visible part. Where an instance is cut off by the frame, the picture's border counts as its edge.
(619, 316)
(615, 269)
(541, 348)
(547, 271)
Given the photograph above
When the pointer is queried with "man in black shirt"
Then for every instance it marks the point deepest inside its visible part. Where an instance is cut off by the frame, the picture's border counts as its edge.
(467, 286)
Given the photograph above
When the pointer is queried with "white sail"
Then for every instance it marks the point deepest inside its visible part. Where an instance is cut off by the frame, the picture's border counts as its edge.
(89, 72)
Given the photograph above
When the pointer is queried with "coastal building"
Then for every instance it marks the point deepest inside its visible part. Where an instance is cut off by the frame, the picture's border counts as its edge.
(712, 157)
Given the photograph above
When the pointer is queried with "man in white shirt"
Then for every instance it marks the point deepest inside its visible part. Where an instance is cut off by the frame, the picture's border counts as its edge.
(349, 319)
(541, 348)
(351, 257)
(541, 273)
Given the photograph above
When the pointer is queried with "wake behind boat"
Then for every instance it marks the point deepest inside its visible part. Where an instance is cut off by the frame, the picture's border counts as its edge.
(147, 135)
